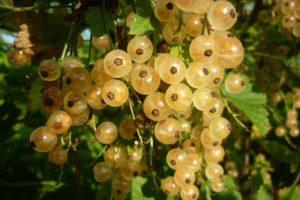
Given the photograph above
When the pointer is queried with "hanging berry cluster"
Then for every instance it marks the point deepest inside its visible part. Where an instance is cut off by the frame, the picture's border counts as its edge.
(169, 89)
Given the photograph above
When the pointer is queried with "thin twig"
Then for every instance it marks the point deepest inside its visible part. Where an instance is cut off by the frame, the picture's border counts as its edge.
(234, 115)
(133, 117)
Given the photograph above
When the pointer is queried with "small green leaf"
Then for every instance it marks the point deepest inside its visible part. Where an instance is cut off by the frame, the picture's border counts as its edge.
(100, 21)
(281, 152)
(141, 25)
(144, 7)
(294, 64)
(136, 192)
(252, 104)
(291, 193)
(263, 194)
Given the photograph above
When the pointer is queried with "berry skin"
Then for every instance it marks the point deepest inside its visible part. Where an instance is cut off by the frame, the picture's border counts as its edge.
(98, 75)
(179, 97)
(204, 48)
(155, 107)
(127, 129)
(234, 83)
(222, 15)
(208, 140)
(184, 176)
(82, 118)
(170, 34)
(102, 172)
(294, 132)
(194, 6)
(214, 171)
(192, 146)
(106, 133)
(115, 93)
(140, 49)
(130, 170)
(280, 131)
(58, 156)
(170, 69)
(144, 80)
(214, 154)
(189, 192)
(192, 24)
(117, 63)
(198, 75)
(42, 139)
(59, 122)
(217, 186)
(193, 161)
(185, 114)
(169, 186)
(17, 58)
(289, 21)
(220, 128)
(49, 70)
(101, 43)
(201, 97)
(167, 131)
(78, 79)
(115, 156)
(214, 108)
(71, 62)
(288, 6)
(175, 158)
(165, 10)
(230, 52)
(136, 154)
(52, 99)
(74, 103)
(93, 97)
(185, 127)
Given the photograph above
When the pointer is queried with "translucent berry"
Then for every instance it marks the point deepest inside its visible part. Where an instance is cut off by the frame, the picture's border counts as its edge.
(49, 70)
(59, 122)
(106, 133)
(214, 154)
(189, 192)
(93, 97)
(127, 129)
(74, 103)
(78, 79)
(155, 107)
(167, 131)
(220, 127)
(58, 156)
(179, 97)
(204, 48)
(17, 58)
(140, 49)
(175, 158)
(234, 83)
(42, 139)
(165, 10)
(101, 43)
(115, 156)
(169, 186)
(184, 176)
(214, 171)
(98, 75)
(102, 172)
(117, 63)
(115, 93)
(144, 80)
(222, 15)
(71, 62)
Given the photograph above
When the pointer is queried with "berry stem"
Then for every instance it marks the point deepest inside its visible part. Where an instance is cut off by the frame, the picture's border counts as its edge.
(133, 117)
(234, 115)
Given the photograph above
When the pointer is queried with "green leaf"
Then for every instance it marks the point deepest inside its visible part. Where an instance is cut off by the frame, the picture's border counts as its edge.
(100, 22)
(6, 4)
(262, 194)
(144, 7)
(281, 152)
(182, 53)
(252, 104)
(136, 192)
(294, 64)
(141, 25)
(291, 193)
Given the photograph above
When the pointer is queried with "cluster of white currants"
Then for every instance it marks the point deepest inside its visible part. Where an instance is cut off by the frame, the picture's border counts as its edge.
(290, 12)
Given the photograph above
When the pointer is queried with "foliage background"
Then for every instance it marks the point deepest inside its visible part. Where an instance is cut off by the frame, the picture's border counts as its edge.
(268, 166)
